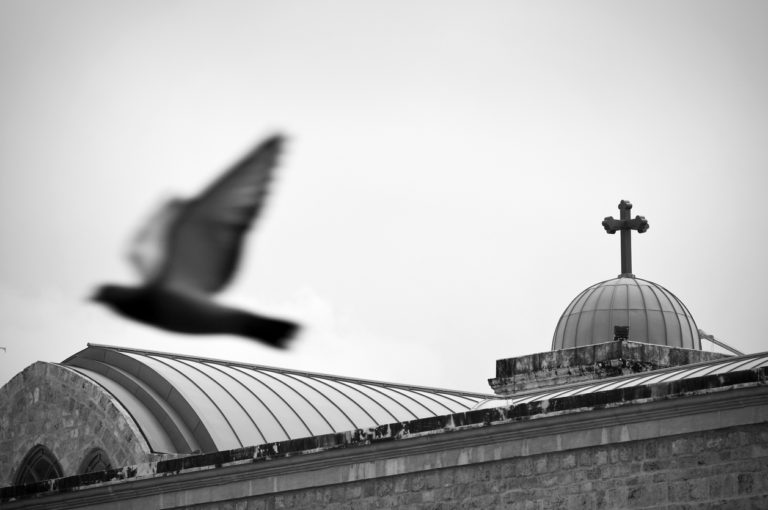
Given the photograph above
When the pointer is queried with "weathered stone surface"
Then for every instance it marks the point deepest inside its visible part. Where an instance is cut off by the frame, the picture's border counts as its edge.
(638, 474)
(554, 368)
(56, 407)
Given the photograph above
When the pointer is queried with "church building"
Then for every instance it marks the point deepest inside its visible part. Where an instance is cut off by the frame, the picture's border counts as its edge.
(625, 411)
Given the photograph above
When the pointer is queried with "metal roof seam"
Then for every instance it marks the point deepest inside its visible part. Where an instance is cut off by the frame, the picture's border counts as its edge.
(135, 365)
(465, 406)
(406, 409)
(756, 362)
(174, 426)
(564, 318)
(355, 402)
(224, 416)
(594, 314)
(398, 390)
(645, 312)
(663, 314)
(610, 311)
(732, 366)
(334, 404)
(382, 406)
(245, 411)
(435, 401)
(289, 406)
(587, 294)
(694, 332)
(249, 390)
(266, 373)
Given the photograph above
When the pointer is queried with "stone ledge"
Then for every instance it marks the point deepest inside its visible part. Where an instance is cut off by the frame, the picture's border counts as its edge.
(610, 359)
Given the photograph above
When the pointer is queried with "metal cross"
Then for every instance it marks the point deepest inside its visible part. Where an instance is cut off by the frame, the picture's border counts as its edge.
(626, 225)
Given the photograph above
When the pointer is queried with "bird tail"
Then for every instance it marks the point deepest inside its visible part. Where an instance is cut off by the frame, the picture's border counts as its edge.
(275, 332)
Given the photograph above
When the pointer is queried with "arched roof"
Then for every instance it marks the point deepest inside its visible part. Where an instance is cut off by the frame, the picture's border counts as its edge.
(654, 315)
(184, 404)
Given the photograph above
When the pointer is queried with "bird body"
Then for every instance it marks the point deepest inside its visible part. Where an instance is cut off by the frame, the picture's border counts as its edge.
(187, 313)
(190, 249)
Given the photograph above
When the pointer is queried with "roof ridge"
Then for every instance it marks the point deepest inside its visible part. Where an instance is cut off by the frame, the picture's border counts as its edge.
(305, 373)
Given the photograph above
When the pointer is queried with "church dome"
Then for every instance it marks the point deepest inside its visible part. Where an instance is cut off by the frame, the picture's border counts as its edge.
(653, 314)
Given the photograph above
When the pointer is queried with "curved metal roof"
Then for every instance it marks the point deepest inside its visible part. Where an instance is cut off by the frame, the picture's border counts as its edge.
(184, 404)
(717, 367)
(654, 316)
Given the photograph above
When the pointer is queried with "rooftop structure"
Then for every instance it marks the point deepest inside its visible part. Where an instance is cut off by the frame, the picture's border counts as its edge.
(651, 313)
(626, 307)
(184, 404)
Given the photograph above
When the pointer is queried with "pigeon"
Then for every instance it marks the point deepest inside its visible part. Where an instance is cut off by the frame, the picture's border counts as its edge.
(190, 249)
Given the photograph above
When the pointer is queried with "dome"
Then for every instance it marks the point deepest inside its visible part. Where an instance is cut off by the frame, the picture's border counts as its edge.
(654, 315)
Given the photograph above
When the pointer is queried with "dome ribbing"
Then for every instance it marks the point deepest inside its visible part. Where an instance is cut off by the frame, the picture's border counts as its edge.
(653, 314)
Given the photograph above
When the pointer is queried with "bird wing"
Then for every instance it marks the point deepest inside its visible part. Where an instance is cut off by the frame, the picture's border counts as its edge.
(205, 242)
(149, 248)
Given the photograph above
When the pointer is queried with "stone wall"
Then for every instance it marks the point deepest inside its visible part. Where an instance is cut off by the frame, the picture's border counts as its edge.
(56, 407)
(588, 363)
(691, 443)
(725, 468)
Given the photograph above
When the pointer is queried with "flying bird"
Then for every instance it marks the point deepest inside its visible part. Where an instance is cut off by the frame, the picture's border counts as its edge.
(190, 250)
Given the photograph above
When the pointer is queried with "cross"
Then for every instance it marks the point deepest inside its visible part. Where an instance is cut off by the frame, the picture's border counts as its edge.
(626, 225)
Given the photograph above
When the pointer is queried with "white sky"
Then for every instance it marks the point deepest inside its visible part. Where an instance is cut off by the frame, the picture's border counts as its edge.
(449, 165)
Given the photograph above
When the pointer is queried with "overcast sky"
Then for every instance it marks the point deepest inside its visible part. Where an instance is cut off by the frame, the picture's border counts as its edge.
(439, 202)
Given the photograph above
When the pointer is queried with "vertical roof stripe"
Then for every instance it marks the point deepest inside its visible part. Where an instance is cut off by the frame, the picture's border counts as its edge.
(376, 402)
(352, 401)
(203, 392)
(226, 404)
(322, 395)
(277, 394)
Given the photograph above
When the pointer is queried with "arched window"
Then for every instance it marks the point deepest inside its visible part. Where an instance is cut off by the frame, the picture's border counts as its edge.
(96, 460)
(39, 464)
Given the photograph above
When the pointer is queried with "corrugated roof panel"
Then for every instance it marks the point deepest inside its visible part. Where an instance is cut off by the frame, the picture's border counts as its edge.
(415, 407)
(286, 415)
(452, 401)
(661, 376)
(257, 404)
(207, 397)
(230, 399)
(297, 400)
(212, 404)
(334, 412)
(180, 394)
(758, 362)
(391, 402)
(435, 402)
(593, 388)
(730, 367)
(362, 408)
(721, 366)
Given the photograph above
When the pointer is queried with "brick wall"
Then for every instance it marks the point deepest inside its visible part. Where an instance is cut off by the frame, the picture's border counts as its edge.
(724, 468)
(51, 405)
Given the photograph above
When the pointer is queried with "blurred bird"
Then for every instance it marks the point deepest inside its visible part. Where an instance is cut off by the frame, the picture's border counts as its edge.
(190, 249)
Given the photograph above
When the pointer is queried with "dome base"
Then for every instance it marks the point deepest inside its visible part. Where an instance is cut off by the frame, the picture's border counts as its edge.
(580, 364)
